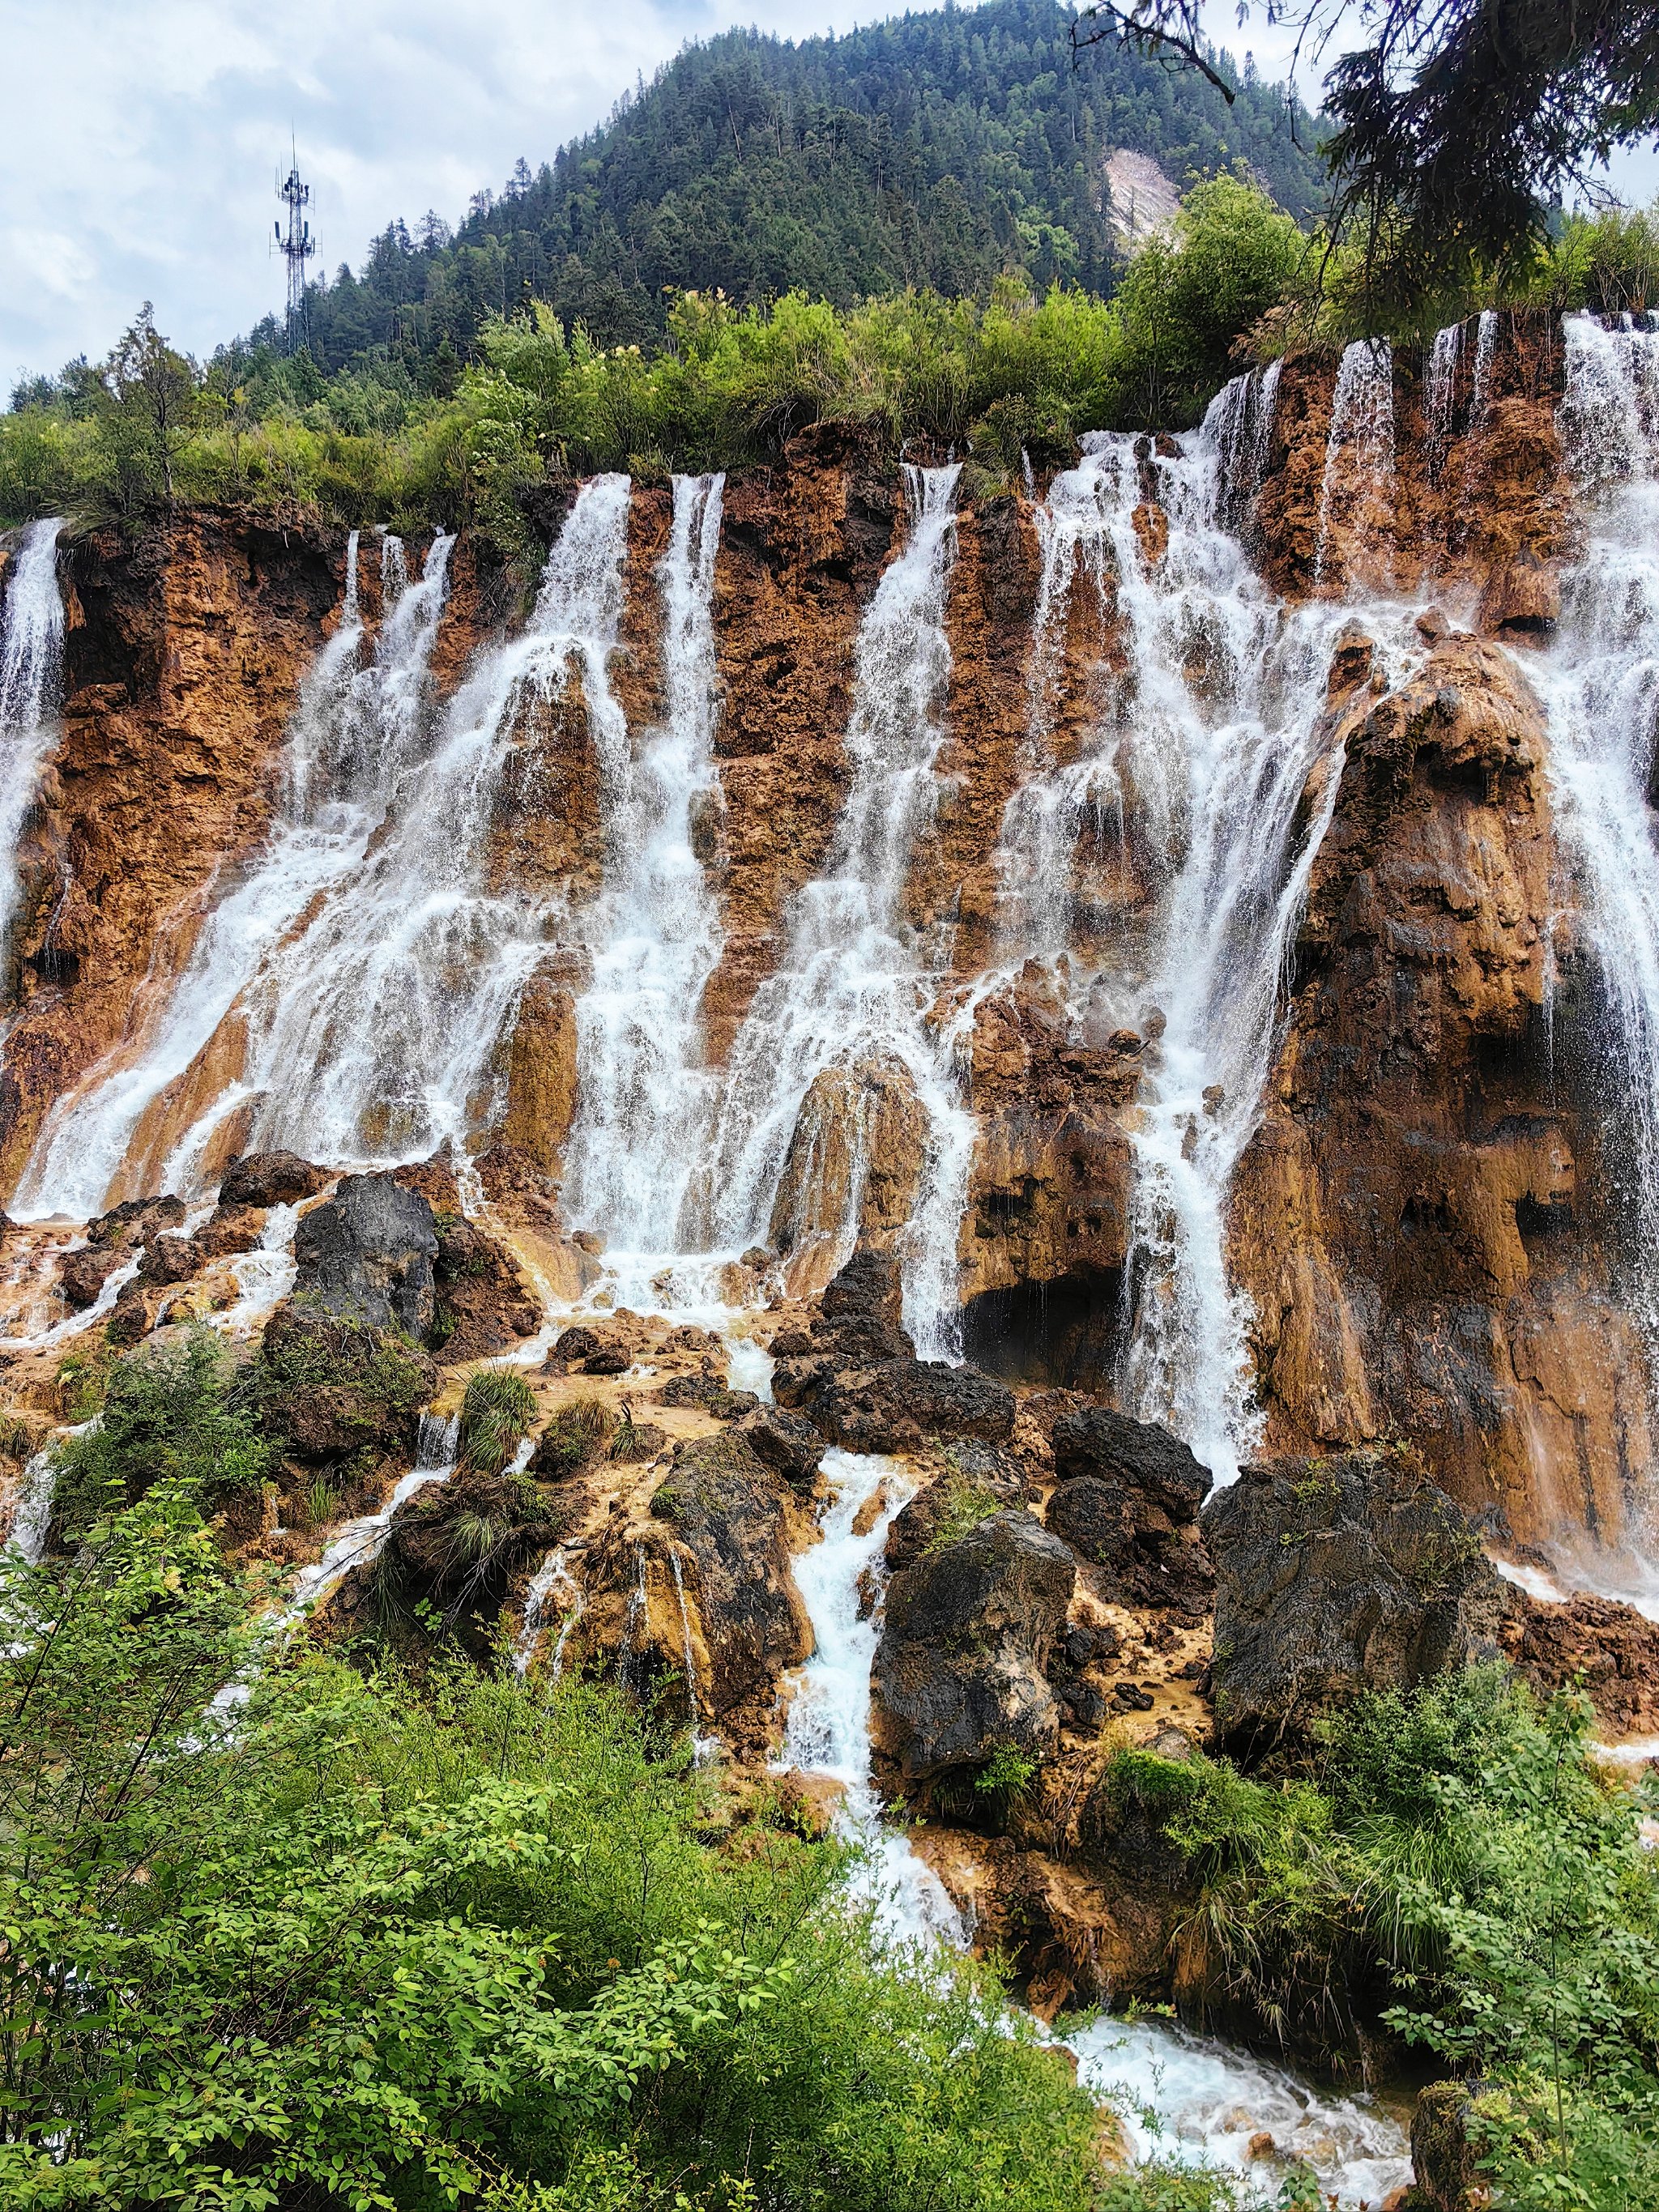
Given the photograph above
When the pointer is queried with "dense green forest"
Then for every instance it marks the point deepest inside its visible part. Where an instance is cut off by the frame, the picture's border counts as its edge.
(936, 151)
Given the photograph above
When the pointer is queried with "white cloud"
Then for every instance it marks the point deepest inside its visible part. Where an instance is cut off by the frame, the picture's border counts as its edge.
(140, 139)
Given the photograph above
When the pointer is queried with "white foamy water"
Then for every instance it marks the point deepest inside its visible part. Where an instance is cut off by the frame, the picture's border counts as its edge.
(1599, 680)
(356, 731)
(1186, 2099)
(858, 980)
(828, 1731)
(654, 933)
(1180, 2096)
(31, 674)
(1192, 786)
(1358, 484)
(552, 1582)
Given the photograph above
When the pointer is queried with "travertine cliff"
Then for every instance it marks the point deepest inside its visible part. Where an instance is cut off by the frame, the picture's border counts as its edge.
(1423, 1220)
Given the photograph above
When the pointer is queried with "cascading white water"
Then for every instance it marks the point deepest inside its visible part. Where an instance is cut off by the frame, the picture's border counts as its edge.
(354, 732)
(1358, 483)
(859, 979)
(828, 1731)
(1439, 396)
(31, 671)
(654, 933)
(1196, 771)
(1599, 680)
(372, 1031)
(1179, 2097)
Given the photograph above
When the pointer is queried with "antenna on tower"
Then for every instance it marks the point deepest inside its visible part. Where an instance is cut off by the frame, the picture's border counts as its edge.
(297, 248)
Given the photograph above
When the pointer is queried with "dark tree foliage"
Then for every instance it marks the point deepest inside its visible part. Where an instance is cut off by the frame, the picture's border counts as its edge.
(940, 150)
(1460, 124)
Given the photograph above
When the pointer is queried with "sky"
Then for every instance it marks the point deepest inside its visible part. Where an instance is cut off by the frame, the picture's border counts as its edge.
(140, 140)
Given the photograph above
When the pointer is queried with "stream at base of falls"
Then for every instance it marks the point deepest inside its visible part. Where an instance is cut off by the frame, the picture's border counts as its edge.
(1178, 2097)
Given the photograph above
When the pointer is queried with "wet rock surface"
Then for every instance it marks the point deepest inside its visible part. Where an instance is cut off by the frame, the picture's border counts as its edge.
(965, 1637)
(272, 1179)
(728, 1511)
(1127, 1503)
(1609, 1651)
(367, 1255)
(1339, 1576)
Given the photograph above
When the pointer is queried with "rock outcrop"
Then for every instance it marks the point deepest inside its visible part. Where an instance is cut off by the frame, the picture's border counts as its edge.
(966, 1635)
(729, 1512)
(1423, 1220)
(367, 1255)
(1337, 1576)
(1127, 1499)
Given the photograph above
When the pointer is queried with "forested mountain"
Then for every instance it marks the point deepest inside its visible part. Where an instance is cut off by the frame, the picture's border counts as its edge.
(937, 149)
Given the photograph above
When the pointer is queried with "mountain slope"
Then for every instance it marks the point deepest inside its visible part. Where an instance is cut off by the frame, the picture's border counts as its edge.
(939, 148)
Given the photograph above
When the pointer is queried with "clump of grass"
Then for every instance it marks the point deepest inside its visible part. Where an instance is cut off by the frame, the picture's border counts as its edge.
(967, 1502)
(578, 1432)
(496, 1416)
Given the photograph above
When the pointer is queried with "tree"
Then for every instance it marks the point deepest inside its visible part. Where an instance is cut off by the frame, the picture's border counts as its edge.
(151, 403)
(1460, 123)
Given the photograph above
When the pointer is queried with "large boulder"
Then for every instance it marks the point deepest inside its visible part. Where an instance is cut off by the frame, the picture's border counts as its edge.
(1140, 1456)
(896, 1406)
(272, 1179)
(966, 1636)
(367, 1255)
(729, 1511)
(1334, 1576)
(788, 1444)
(333, 1389)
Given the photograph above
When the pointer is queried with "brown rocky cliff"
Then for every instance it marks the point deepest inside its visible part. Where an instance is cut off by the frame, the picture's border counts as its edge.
(182, 659)
(1418, 1219)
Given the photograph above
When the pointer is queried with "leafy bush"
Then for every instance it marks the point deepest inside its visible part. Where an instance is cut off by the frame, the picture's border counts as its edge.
(373, 1948)
(1464, 1867)
(579, 1430)
(177, 1414)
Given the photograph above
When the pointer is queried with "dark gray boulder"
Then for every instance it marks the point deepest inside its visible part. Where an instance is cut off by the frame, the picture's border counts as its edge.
(965, 1638)
(1128, 1503)
(728, 1509)
(1141, 1456)
(367, 1255)
(787, 1443)
(1334, 1576)
(893, 1406)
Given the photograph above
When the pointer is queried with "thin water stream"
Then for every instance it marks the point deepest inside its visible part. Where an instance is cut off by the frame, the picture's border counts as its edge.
(31, 675)
(1179, 2096)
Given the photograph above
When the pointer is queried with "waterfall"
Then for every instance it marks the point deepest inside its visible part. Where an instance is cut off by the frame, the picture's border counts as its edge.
(1194, 777)
(356, 729)
(860, 979)
(1599, 679)
(553, 1574)
(655, 935)
(32, 1516)
(1242, 425)
(373, 1032)
(1358, 483)
(31, 673)
(1178, 2097)
(1439, 392)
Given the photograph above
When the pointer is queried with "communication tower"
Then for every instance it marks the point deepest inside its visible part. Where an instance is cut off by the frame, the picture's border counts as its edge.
(297, 248)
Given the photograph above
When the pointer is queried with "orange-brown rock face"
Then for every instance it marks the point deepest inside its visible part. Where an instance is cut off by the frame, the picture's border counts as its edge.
(801, 549)
(183, 659)
(1418, 1219)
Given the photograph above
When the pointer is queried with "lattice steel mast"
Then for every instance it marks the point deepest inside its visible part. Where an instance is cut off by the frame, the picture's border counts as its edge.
(297, 248)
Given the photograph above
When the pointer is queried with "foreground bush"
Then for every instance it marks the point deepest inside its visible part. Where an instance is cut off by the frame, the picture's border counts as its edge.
(343, 1945)
(1462, 1867)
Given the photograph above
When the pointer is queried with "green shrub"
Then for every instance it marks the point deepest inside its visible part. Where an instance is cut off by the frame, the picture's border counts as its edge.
(379, 1947)
(179, 1414)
